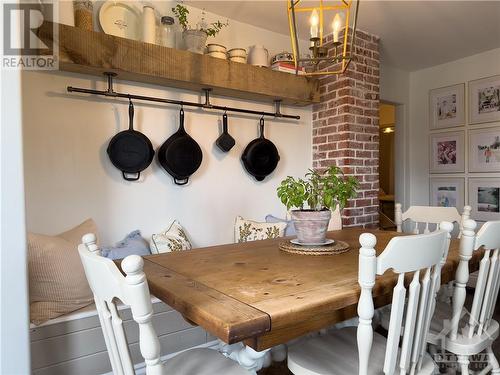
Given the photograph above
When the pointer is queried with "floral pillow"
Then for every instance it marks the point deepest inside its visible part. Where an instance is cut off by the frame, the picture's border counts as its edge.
(172, 239)
(248, 230)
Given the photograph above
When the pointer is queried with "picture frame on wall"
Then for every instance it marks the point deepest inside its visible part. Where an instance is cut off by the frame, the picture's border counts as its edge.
(484, 150)
(484, 100)
(447, 107)
(447, 192)
(484, 198)
(447, 152)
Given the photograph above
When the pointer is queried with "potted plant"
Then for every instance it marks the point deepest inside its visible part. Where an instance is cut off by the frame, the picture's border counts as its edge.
(195, 39)
(314, 198)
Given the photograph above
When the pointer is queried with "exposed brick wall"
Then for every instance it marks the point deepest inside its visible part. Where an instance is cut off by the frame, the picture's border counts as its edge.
(346, 128)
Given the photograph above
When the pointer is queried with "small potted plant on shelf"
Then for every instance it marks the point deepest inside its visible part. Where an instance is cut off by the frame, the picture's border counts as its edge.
(314, 198)
(195, 39)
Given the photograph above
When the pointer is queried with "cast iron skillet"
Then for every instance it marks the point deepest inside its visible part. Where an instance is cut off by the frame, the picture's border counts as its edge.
(130, 151)
(180, 155)
(260, 157)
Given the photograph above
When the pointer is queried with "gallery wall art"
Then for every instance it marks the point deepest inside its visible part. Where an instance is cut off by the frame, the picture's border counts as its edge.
(484, 100)
(447, 192)
(447, 107)
(447, 152)
(484, 150)
(484, 198)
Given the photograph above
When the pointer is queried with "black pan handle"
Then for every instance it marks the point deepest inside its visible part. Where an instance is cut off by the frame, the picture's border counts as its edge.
(262, 127)
(224, 123)
(130, 115)
(181, 182)
(181, 119)
(126, 177)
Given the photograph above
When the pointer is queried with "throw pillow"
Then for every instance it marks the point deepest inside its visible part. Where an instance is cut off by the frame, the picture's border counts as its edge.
(132, 244)
(172, 239)
(57, 280)
(248, 230)
(289, 230)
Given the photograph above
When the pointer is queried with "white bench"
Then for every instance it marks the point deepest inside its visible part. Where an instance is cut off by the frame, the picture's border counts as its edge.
(73, 344)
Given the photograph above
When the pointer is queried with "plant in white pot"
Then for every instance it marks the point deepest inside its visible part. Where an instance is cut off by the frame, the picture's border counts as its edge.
(196, 39)
(313, 199)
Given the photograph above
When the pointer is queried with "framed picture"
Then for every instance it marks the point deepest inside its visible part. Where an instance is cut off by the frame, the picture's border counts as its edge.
(484, 150)
(484, 100)
(447, 192)
(484, 198)
(446, 107)
(447, 152)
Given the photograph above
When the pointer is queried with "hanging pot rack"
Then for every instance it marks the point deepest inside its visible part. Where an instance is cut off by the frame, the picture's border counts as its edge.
(110, 92)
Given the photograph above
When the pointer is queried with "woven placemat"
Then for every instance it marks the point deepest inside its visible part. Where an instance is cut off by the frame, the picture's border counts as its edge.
(338, 247)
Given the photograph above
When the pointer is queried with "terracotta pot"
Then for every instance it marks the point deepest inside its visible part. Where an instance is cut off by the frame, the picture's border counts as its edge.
(311, 226)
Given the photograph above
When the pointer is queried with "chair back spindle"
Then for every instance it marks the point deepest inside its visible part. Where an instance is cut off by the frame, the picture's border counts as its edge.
(418, 259)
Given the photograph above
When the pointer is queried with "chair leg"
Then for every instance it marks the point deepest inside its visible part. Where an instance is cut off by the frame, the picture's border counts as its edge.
(493, 361)
(463, 360)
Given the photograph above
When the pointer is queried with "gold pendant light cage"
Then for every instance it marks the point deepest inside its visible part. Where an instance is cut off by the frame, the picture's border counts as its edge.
(335, 54)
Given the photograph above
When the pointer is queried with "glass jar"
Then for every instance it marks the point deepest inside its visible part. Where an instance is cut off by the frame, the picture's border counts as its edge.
(167, 32)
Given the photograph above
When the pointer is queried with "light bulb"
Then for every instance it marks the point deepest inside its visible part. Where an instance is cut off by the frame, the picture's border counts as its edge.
(336, 24)
(314, 20)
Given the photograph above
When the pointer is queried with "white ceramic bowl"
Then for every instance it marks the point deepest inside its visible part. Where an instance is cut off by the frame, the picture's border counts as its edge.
(219, 55)
(216, 48)
(237, 52)
(238, 59)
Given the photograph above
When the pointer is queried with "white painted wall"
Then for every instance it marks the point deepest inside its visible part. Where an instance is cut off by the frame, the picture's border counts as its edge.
(395, 89)
(69, 176)
(470, 68)
(14, 315)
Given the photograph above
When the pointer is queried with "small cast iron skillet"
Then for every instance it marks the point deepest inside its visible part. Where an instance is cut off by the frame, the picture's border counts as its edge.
(261, 156)
(130, 151)
(180, 155)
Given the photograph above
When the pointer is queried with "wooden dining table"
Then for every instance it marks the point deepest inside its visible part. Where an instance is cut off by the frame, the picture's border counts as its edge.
(257, 294)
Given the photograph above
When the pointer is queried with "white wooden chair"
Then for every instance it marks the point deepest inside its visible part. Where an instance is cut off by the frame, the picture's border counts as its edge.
(335, 353)
(423, 219)
(463, 332)
(109, 285)
(428, 216)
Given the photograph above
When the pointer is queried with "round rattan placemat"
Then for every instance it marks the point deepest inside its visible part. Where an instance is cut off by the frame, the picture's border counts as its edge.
(338, 247)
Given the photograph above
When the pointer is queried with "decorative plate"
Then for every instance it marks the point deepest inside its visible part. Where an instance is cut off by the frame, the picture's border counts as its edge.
(120, 18)
(338, 247)
(328, 241)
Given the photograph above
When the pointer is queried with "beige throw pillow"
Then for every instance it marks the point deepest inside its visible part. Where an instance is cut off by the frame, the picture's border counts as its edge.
(248, 230)
(57, 280)
(172, 239)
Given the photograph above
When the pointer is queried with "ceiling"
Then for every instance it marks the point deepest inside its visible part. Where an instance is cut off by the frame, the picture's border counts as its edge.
(413, 34)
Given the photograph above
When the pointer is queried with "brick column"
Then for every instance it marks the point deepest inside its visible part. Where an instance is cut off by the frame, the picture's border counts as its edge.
(346, 128)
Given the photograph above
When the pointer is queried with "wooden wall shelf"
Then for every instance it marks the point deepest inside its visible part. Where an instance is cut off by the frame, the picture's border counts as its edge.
(94, 53)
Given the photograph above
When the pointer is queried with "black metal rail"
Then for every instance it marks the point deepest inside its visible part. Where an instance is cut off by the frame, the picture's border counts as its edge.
(207, 105)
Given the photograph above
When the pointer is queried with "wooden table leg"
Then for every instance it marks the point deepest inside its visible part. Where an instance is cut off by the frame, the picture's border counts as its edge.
(247, 357)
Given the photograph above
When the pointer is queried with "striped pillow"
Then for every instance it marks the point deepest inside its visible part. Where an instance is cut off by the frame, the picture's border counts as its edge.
(57, 280)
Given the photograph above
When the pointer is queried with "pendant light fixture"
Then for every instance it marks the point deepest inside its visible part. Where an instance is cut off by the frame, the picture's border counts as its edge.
(325, 17)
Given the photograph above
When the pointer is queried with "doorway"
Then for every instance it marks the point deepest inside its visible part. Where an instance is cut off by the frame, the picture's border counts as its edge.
(387, 134)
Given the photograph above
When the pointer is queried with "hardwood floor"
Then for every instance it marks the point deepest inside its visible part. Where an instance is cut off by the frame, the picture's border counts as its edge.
(281, 368)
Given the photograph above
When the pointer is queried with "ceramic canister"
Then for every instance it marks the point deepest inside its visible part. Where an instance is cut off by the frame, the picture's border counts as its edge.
(258, 55)
(148, 25)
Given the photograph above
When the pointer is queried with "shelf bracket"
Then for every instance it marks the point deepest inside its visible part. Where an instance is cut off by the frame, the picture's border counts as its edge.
(207, 103)
(109, 76)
